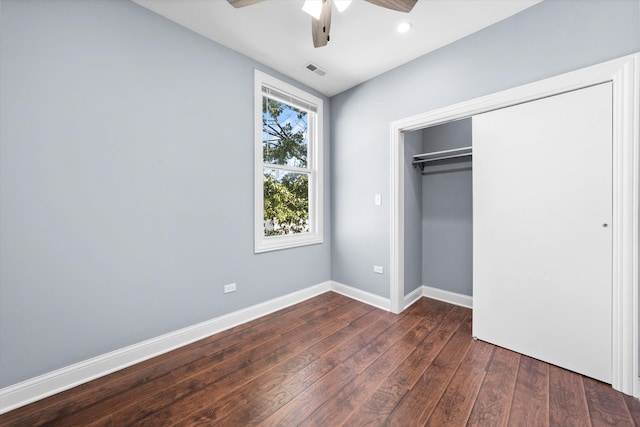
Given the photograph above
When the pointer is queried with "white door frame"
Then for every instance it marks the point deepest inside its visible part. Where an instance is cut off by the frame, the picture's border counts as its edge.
(625, 74)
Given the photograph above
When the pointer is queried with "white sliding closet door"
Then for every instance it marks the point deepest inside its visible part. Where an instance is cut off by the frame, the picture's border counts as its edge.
(542, 248)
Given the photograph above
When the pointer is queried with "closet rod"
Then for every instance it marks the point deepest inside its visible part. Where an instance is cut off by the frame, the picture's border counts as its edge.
(420, 159)
(441, 158)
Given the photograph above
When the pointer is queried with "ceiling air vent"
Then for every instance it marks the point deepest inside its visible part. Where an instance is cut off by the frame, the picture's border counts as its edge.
(319, 71)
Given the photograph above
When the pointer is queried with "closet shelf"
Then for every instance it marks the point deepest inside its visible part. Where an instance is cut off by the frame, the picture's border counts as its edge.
(420, 159)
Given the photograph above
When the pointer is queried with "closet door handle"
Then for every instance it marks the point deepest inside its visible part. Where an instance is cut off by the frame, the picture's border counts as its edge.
(605, 225)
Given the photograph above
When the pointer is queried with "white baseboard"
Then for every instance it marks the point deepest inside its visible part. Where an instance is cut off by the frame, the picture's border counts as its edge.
(37, 388)
(413, 296)
(446, 296)
(362, 296)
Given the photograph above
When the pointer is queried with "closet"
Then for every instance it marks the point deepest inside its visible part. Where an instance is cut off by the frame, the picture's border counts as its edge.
(527, 229)
(439, 161)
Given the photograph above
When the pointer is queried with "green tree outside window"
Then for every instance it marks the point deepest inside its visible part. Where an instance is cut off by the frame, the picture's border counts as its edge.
(286, 184)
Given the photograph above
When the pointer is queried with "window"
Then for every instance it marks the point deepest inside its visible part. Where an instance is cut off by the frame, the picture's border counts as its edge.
(288, 165)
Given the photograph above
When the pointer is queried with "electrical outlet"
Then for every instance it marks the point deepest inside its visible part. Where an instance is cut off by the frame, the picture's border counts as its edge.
(378, 269)
(231, 287)
(377, 199)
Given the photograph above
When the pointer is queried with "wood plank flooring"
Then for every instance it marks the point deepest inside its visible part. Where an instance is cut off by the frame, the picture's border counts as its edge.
(332, 361)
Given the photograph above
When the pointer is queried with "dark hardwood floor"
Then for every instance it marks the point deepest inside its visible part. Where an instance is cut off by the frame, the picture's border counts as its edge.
(332, 361)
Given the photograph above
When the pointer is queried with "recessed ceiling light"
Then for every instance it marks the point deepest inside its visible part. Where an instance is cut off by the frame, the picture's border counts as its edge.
(404, 27)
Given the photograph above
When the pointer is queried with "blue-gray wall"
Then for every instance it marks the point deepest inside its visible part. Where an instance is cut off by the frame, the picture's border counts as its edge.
(548, 39)
(447, 215)
(126, 184)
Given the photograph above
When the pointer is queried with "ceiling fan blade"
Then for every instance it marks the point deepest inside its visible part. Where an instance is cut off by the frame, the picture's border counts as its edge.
(242, 3)
(399, 5)
(320, 27)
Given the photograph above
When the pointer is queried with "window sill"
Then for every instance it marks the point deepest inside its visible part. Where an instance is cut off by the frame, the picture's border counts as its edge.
(291, 241)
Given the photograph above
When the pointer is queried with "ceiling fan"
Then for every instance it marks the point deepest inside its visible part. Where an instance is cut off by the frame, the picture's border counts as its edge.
(320, 10)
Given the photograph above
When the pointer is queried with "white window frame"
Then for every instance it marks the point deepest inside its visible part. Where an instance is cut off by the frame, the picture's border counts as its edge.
(314, 162)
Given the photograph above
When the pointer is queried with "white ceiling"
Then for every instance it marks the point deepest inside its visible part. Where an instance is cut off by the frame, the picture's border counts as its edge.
(364, 41)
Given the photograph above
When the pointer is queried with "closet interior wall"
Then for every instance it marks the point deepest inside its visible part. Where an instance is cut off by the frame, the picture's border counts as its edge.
(446, 211)
(412, 213)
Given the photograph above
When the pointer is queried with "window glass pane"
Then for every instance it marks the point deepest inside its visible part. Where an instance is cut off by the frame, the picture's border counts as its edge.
(286, 202)
(284, 134)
